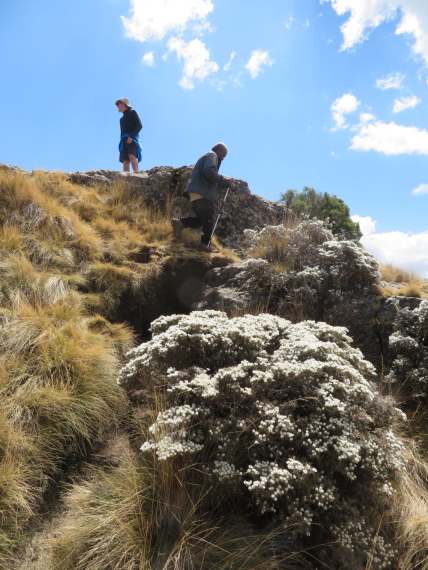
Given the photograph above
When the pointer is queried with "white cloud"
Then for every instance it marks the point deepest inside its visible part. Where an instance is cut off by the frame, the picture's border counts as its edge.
(366, 117)
(148, 59)
(257, 59)
(364, 14)
(390, 138)
(289, 22)
(229, 63)
(415, 23)
(421, 189)
(153, 19)
(342, 106)
(391, 81)
(368, 14)
(197, 64)
(367, 225)
(404, 250)
(408, 251)
(405, 103)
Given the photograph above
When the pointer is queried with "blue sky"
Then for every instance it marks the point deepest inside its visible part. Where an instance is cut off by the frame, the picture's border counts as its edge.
(331, 95)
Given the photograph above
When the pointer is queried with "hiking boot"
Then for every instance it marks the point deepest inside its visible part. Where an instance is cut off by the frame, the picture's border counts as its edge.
(209, 248)
(177, 228)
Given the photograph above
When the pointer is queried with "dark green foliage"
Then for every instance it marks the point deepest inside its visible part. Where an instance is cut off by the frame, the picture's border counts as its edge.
(322, 206)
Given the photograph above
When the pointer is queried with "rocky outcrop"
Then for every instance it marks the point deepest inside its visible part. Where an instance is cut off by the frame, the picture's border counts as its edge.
(163, 187)
(369, 319)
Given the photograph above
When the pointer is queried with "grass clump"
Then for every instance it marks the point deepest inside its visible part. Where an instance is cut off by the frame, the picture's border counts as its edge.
(412, 514)
(392, 274)
(411, 290)
(58, 395)
(149, 514)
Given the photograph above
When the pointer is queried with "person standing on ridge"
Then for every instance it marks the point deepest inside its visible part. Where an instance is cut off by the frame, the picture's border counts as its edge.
(202, 190)
(130, 125)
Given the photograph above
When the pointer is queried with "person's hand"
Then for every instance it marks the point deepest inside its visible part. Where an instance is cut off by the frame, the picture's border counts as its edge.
(129, 140)
(231, 183)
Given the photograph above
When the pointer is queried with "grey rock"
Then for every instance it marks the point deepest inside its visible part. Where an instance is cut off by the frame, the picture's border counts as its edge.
(368, 318)
(89, 178)
(10, 168)
(224, 288)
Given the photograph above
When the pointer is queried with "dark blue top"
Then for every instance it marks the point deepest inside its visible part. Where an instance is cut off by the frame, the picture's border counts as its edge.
(130, 123)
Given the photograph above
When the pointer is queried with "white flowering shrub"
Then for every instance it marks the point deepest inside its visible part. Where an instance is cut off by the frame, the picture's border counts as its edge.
(296, 247)
(282, 417)
(348, 267)
(311, 246)
(409, 348)
(270, 243)
(305, 241)
(322, 277)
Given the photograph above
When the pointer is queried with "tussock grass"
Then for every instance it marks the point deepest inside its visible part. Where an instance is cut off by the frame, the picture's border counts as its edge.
(408, 283)
(393, 274)
(411, 513)
(272, 246)
(158, 515)
(411, 290)
(11, 239)
(58, 393)
(70, 257)
(59, 397)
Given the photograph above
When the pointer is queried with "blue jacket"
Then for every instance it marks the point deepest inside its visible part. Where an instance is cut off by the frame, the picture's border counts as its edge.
(136, 140)
(205, 178)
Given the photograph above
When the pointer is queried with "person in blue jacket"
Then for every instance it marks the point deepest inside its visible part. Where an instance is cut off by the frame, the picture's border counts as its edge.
(130, 126)
(202, 190)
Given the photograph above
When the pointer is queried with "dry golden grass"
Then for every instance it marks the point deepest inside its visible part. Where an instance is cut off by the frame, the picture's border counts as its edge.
(273, 247)
(11, 239)
(392, 274)
(58, 392)
(411, 514)
(402, 282)
(69, 256)
(156, 515)
(411, 290)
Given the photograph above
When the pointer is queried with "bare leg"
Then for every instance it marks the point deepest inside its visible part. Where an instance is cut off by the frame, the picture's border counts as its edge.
(126, 165)
(134, 162)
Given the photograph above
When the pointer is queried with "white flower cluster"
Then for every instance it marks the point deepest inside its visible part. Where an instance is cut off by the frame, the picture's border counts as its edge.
(252, 238)
(269, 482)
(284, 413)
(194, 340)
(170, 432)
(349, 266)
(354, 533)
(408, 345)
(224, 470)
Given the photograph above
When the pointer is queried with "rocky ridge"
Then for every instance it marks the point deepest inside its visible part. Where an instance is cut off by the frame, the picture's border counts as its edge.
(163, 187)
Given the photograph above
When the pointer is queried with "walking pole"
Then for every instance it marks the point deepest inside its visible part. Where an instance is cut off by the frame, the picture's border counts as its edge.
(218, 216)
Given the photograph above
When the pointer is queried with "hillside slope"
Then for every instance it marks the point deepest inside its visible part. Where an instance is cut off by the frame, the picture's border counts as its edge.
(88, 262)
